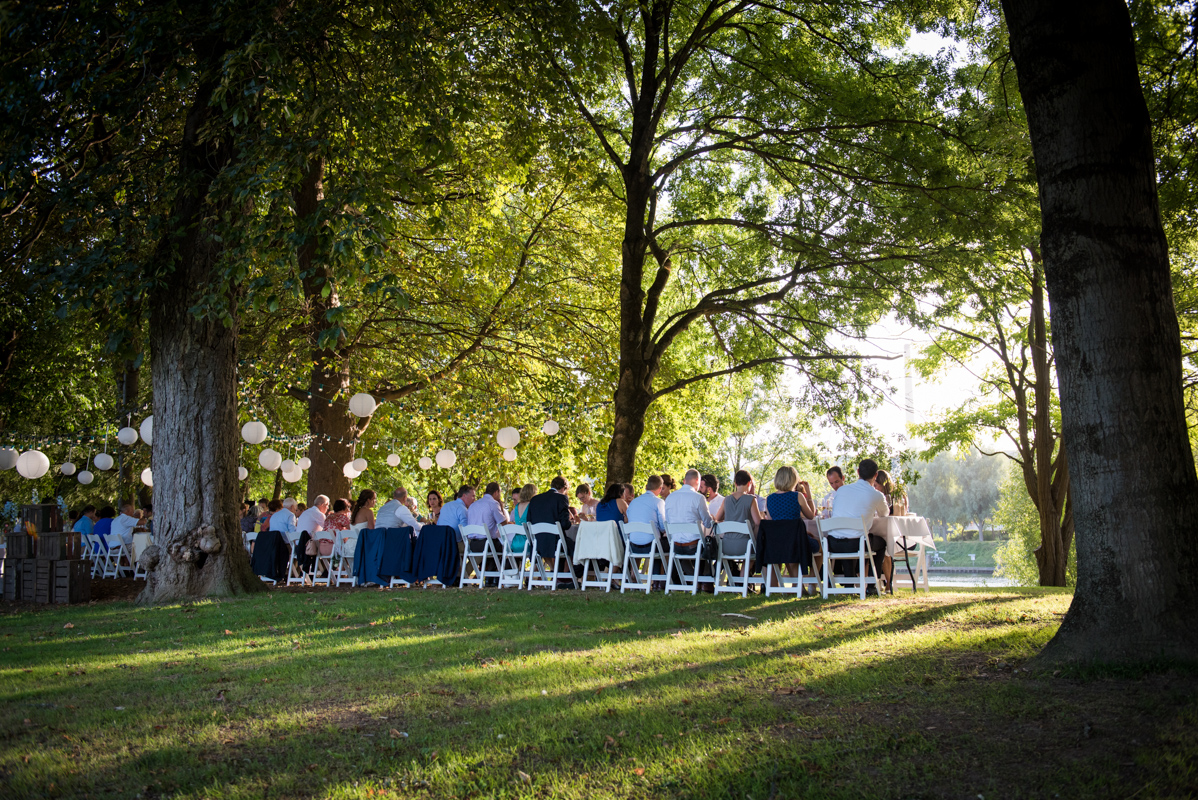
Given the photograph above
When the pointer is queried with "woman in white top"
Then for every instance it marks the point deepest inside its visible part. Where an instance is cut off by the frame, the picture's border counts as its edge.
(586, 501)
(363, 516)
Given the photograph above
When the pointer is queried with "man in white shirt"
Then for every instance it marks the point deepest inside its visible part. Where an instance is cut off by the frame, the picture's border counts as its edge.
(650, 509)
(835, 476)
(711, 492)
(395, 513)
(283, 520)
(861, 500)
(123, 525)
(312, 520)
(488, 512)
(685, 504)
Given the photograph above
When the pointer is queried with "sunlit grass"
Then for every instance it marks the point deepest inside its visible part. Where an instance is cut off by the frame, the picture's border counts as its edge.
(512, 694)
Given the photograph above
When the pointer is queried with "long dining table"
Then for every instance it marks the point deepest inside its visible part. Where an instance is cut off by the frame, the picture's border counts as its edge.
(905, 536)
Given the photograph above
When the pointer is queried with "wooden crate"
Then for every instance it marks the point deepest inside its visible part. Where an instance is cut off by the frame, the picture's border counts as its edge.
(72, 582)
(57, 546)
(12, 579)
(19, 545)
(44, 516)
(28, 579)
(43, 582)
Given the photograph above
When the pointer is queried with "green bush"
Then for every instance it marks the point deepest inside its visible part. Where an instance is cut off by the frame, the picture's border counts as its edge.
(1016, 559)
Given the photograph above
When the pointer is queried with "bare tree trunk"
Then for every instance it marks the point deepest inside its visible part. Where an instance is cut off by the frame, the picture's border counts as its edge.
(1115, 334)
(194, 369)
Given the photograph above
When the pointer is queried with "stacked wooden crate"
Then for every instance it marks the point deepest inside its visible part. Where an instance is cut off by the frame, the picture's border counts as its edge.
(48, 569)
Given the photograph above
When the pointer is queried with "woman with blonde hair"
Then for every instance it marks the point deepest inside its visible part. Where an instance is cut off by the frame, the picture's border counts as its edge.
(791, 499)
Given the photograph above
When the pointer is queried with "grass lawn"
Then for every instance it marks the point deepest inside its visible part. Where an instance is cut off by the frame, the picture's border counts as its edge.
(435, 693)
(957, 553)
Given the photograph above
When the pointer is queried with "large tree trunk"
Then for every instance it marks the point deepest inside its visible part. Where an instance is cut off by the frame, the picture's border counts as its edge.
(194, 366)
(1115, 333)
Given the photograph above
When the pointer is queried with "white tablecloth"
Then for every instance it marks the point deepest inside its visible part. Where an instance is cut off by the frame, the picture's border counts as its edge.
(893, 529)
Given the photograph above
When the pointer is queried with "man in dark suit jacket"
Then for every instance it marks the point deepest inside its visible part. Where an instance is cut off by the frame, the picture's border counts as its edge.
(550, 507)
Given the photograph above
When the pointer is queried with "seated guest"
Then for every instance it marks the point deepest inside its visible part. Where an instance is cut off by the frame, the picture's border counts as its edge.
(435, 504)
(791, 499)
(396, 514)
(364, 509)
(312, 519)
(271, 507)
(453, 513)
(685, 504)
(859, 499)
(586, 501)
(103, 525)
(72, 520)
(283, 520)
(612, 507)
(520, 511)
(410, 503)
(835, 476)
(263, 507)
(339, 519)
(487, 511)
(513, 500)
(87, 520)
(299, 509)
(885, 485)
(549, 507)
(741, 505)
(650, 509)
(668, 485)
(710, 489)
(147, 517)
(124, 525)
(248, 517)
(628, 496)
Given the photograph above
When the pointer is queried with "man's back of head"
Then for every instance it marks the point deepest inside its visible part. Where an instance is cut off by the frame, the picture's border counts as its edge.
(463, 490)
(653, 484)
(867, 469)
(321, 500)
(492, 488)
(691, 477)
(399, 494)
(558, 484)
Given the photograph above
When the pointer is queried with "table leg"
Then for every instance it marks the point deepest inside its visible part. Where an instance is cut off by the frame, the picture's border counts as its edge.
(907, 561)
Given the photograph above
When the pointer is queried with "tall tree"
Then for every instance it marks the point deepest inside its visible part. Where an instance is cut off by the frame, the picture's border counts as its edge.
(1115, 333)
(770, 161)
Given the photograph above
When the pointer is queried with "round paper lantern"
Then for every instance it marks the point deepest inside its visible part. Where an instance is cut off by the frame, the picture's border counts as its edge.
(509, 454)
(147, 477)
(67, 468)
(270, 459)
(293, 476)
(32, 464)
(8, 458)
(126, 436)
(362, 405)
(393, 460)
(360, 465)
(551, 427)
(287, 466)
(446, 459)
(254, 432)
(508, 438)
(147, 431)
(85, 477)
(102, 461)
(304, 463)
(425, 462)
(348, 470)
(242, 473)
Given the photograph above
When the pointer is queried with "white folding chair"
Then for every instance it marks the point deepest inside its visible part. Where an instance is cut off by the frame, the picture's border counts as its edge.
(864, 555)
(347, 542)
(140, 542)
(725, 565)
(632, 577)
(325, 560)
(477, 560)
(543, 577)
(674, 568)
(603, 531)
(248, 538)
(94, 551)
(117, 563)
(513, 562)
(295, 574)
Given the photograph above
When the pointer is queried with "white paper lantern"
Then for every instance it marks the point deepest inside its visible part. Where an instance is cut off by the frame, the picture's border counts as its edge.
(304, 463)
(551, 427)
(509, 454)
(126, 436)
(242, 473)
(67, 468)
(254, 432)
(85, 477)
(348, 470)
(362, 405)
(293, 476)
(103, 461)
(8, 457)
(33, 464)
(360, 465)
(147, 477)
(508, 438)
(425, 462)
(392, 460)
(446, 459)
(270, 459)
(287, 466)
(147, 431)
